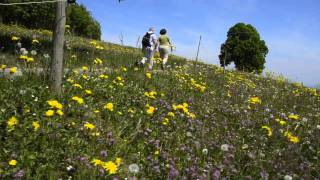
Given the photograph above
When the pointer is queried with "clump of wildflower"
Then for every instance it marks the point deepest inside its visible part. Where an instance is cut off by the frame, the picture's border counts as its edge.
(281, 122)
(151, 94)
(3, 67)
(13, 162)
(35, 125)
(55, 104)
(254, 100)
(110, 166)
(79, 100)
(13, 70)
(102, 76)
(118, 81)
(89, 126)
(77, 86)
(184, 107)
(294, 117)
(60, 112)
(84, 68)
(150, 110)
(97, 61)
(148, 75)
(269, 130)
(88, 92)
(15, 38)
(35, 41)
(12, 122)
(165, 121)
(109, 106)
(293, 139)
(49, 113)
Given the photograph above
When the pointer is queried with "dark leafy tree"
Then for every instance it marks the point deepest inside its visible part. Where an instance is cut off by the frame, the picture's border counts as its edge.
(42, 16)
(244, 48)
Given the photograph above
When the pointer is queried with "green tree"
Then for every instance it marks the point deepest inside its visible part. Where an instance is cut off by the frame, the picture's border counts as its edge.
(42, 16)
(82, 23)
(245, 48)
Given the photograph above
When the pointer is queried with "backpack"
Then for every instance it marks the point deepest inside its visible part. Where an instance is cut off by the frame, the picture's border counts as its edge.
(146, 40)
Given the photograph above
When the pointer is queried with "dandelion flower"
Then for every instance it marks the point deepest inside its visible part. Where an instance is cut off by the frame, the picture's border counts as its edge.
(110, 166)
(97, 162)
(254, 100)
(109, 106)
(60, 112)
(35, 125)
(12, 121)
(13, 70)
(79, 100)
(89, 126)
(148, 75)
(150, 110)
(294, 117)
(88, 92)
(13, 162)
(49, 113)
(118, 161)
(268, 129)
(55, 104)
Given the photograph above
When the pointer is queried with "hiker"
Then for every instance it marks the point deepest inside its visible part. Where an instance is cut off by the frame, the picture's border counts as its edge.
(149, 47)
(165, 47)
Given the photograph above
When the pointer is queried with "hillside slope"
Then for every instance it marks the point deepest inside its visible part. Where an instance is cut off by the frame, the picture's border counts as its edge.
(183, 123)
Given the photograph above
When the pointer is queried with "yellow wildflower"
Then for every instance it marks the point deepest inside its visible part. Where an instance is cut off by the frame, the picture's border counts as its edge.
(165, 121)
(13, 162)
(148, 75)
(171, 114)
(254, 100)
(77, 85)
(12, 122)
(294, 117)
(3, 67)
(157, 152)
(281, 122)
(97, 162)
(30, 59)
(130, 110)
(150, 110)
(89, 126)
(109, 106)
(268, 129)
(35, 41)
(291, 138)
(97, 61)
(15, 38)
(84, 68)
(102, 76)
(110, 166)
(118, 161)
(60, 112)
(79, 100)
(88, 92)
(55, 104)
(13, 70)
(35, 125)
(49, 113)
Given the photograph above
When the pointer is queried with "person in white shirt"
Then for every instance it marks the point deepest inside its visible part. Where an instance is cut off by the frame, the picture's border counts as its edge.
(149, 47)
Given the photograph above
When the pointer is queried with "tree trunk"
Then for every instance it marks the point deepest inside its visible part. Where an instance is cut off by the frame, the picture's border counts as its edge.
(58, 45)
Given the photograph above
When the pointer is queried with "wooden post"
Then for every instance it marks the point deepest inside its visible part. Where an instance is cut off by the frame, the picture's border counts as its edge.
(197, 54)
(58, 46)
(224, 61)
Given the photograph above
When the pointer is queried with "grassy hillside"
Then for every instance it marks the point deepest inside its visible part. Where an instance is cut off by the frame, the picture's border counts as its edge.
(183, 123)
(78, 51)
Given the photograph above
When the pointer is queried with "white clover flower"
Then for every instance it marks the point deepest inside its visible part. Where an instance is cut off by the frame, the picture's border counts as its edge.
(33, 52)
(134, 168)
(69, 168)
(205, 151)
(225, 147)
(287, 177)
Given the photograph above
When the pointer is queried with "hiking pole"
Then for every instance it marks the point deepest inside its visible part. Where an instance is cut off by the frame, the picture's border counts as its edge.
(197, 54)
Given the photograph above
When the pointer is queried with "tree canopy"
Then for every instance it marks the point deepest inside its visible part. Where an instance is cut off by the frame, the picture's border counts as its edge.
(42, 16)
(244, 48)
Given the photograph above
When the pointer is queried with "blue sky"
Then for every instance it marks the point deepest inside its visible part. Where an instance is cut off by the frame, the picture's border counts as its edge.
(289, 27)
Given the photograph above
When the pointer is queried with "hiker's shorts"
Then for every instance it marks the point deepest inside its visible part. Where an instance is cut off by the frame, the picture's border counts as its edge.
(164, 51)
(148, 53)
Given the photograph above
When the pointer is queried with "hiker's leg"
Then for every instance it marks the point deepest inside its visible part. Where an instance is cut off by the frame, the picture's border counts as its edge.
(150, 59)
(165, 60)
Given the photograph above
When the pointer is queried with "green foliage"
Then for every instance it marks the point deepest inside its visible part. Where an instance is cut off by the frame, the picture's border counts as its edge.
(82, 23)
(42, 16)
(245, 48)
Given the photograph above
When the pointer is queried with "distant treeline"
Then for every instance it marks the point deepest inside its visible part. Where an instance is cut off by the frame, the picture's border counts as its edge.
(42, 16)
